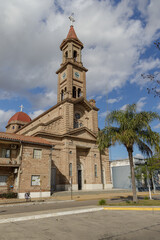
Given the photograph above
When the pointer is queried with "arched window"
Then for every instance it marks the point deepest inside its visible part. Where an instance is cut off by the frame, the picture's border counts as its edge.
(77, 121)
(70, 169)
(75, 55)
(13, 127)
(62, 95)
(65, 89)
(74, 92)
(77, 116)
(95, 170)
(66, 54)
(79, 92)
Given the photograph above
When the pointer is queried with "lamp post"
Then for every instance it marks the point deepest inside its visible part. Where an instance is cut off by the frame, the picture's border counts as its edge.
(71, 186)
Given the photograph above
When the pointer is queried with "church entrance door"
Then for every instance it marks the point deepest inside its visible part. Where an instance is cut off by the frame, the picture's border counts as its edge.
(79, 179)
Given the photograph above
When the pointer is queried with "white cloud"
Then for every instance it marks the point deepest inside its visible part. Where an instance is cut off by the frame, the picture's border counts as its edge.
(158, 106)
(35, 114)
(140, 104)
(44, 99)
(144, 67)
(157, 126)
(114, 100)
(5, 95)
(98, 98)
(31, 32)
(139, 155)
(104, 114)
(4, 118)
(123, 108)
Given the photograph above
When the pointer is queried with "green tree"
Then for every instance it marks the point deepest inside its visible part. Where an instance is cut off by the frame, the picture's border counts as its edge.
(130, 128)
(148, 170)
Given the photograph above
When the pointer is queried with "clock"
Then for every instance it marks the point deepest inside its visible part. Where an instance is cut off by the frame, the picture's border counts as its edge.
(76, 74)
(63, 75)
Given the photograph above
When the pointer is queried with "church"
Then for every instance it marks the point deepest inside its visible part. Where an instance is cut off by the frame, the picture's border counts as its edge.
(58, 149)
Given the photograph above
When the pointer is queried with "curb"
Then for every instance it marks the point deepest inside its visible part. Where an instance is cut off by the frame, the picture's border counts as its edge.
(33, 203)
(132, 208)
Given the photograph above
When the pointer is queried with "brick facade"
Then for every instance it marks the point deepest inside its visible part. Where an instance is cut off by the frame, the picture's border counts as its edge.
(71, 126)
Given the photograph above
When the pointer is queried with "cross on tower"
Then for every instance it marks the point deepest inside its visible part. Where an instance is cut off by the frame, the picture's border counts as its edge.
(21, 107)
(71, 18)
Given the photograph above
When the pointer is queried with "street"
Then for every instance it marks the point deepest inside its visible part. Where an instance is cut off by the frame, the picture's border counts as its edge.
(100, 225)
(44, 206)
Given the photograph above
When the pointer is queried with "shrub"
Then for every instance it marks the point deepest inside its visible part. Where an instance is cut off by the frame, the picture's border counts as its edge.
(102, 202)
(146, 198)
(8, 195)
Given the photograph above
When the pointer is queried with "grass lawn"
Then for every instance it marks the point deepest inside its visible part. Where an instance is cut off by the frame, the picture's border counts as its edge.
(127, 201)
(139, 203)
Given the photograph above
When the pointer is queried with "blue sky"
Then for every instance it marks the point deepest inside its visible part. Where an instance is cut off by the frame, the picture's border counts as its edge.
(118, 38)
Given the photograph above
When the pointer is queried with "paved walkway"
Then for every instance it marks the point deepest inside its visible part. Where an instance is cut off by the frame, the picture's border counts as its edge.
(110, 195)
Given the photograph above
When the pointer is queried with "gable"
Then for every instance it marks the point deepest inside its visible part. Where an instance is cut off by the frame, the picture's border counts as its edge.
(84, 134)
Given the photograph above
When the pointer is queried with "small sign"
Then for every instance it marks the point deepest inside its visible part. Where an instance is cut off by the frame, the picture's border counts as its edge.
(35, 180)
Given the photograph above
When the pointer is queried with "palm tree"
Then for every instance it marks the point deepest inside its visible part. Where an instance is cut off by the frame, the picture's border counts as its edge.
(130, 128)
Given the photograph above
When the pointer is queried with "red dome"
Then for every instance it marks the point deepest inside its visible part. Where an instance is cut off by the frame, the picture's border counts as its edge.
(20, 116)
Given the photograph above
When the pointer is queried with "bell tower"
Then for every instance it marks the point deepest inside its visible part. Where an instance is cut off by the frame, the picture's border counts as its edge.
(71, 74)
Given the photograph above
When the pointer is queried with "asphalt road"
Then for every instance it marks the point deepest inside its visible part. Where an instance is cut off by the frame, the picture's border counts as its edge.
(101, 225)
(31, 207)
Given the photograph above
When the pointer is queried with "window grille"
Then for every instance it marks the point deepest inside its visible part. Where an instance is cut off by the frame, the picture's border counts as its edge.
(3, 180)
(37, 153)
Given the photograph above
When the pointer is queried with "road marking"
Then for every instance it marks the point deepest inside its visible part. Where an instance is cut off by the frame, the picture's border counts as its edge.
(48, 215)
(132, 208)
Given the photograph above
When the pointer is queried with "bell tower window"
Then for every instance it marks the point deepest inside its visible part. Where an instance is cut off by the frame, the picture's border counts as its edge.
(79, 92)
(66, 54)
(75, 55)
(62, 95)
(74, 92)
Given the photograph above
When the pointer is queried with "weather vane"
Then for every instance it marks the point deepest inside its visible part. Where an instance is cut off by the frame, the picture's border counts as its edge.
(21, 107)
(71, 18)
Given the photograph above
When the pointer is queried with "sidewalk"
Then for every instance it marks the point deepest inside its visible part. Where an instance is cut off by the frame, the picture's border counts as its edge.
(114, 194)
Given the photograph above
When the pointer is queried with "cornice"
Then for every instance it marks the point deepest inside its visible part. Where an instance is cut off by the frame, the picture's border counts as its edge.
(73, 64)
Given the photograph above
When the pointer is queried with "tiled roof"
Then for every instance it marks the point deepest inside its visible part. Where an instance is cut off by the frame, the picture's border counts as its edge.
(22, 138)
(20, 116)
(72, 34)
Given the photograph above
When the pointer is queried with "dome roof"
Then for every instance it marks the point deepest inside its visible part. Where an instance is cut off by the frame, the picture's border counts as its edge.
(20, 116)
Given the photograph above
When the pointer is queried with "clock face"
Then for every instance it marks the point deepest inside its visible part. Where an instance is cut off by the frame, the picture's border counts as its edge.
(77, 75)
(63, 75)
